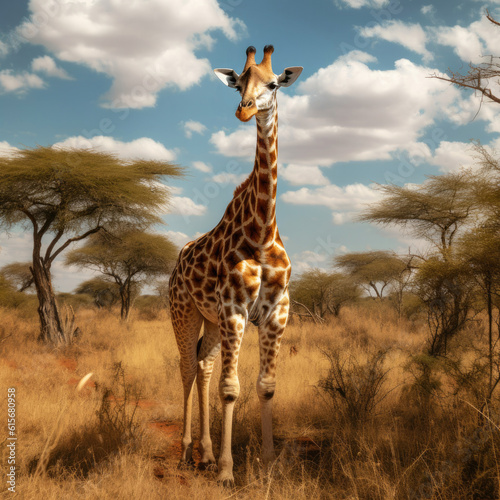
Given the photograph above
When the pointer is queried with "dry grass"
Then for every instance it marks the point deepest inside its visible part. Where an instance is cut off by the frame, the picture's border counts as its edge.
(412, 443)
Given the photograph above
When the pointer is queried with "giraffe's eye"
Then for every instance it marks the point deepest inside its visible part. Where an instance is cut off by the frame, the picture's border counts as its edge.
(272, 86)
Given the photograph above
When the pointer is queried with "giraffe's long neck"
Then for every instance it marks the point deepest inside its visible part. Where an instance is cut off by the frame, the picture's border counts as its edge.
(265, 173)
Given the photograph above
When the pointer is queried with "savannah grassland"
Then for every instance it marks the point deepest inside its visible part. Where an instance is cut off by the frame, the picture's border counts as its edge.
(396, 424)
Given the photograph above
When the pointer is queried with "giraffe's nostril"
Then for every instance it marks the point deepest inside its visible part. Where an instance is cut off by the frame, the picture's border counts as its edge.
(249, 104)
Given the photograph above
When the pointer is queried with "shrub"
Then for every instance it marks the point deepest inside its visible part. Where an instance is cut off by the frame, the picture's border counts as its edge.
(357, 387)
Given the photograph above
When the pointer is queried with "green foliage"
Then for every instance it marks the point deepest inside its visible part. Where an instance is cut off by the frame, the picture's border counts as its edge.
(103, 292)
(19, 274)
(487, 185)
(323, 292)
(375, 270)
(479, 250)
(126, 259)
(74, 300)
(435, 210)
(9, 296)
(128, 254)
(446, 288)
(64, 196)
(73, 190)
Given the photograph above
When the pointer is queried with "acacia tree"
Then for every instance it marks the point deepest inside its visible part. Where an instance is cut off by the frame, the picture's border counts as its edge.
(479, 249)
(323, 292)
(439, 210)
(375, 271)
(128, 258)
(103, 292)
(64, 196)
(19, 274)
(436, 210)
(447, 290)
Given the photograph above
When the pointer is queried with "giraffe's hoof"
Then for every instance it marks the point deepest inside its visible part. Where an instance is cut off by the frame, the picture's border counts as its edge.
(226, 483)
(209, 466)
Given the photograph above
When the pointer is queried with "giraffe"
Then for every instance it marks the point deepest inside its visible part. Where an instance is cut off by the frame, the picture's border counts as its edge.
(236, 273)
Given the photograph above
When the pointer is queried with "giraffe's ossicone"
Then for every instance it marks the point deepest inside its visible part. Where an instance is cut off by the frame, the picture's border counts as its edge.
(236, 273)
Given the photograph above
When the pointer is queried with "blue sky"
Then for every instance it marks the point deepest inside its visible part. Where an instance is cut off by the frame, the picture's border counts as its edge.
(136, 78)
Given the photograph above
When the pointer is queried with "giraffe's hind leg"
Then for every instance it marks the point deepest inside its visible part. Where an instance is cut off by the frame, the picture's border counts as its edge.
(208, 352)
(186, 321)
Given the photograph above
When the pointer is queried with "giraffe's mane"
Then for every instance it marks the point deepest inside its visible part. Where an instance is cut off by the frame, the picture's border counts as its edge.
(242, 186)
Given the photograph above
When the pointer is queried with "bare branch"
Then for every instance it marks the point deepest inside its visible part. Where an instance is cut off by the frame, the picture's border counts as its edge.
(488, 16)
(313, 316)
(72, 240)
(51, 247)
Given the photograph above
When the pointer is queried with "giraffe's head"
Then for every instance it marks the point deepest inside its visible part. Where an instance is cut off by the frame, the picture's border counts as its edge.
(257, 83)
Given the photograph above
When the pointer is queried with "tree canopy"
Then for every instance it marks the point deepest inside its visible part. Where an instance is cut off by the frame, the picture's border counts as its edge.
(323, 292)
(435, 210)
(127, 258)
(374, 270)
(63, 196)
(19, 275)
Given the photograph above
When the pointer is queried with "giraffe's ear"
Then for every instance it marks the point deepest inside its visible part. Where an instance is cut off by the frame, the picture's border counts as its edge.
(289, 76)
(227, 76)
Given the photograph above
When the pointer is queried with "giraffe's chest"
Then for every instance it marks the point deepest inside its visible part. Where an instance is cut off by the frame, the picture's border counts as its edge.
(238, 280)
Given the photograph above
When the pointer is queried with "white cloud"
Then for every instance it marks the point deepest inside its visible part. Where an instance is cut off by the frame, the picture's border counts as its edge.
(240, 143)
(310, 256)
(4, 49)
(343, 201)
(471, 43)
(411, 36)
(177, 237)
(307, 260)
(19, 82)
(451, 156)
(181, 205)
(6, 149)
(47, 65)
(192, 126)
(350, 112)
(357, 4)
(202, 166)
(299, 175)
(15, 247)
(227, 178)
(143, 148)
(427, 9)
(143, 48)
(473, 108)
(175, 189)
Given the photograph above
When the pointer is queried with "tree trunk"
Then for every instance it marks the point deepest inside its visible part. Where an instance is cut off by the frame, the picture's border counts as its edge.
(125, 299)
(51, 328)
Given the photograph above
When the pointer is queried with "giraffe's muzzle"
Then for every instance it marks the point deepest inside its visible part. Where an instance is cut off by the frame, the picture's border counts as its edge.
(246, 110)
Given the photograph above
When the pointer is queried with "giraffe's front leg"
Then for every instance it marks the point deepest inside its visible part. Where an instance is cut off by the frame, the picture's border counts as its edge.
(231, 329)
(270, 333)
(208, 352)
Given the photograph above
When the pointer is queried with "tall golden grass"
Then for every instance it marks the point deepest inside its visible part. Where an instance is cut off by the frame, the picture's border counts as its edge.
(424, 437)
